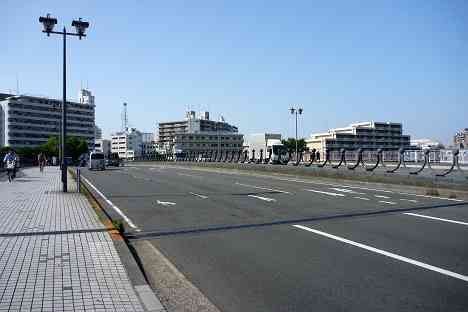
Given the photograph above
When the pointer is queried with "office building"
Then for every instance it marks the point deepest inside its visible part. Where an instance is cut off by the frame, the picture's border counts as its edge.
(460, 140)
(97, 133)
(127, 143)
(367, 135)
(199, 133)
(29, 121)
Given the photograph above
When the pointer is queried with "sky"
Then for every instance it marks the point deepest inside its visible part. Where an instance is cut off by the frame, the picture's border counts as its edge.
(249, 61)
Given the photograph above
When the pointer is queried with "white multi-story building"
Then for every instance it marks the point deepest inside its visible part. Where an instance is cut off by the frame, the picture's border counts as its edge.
(29, 121)
(103, 146)
(127, 143)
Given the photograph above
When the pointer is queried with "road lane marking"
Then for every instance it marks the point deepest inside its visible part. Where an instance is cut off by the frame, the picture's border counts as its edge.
(327, 193)
(198, 195)
(165, 203)
(387, 202)
(410, 200)
(381, 196)
(434, 218)
(346, 191)
(262, 188)
(363, 198)
(387, 254)
(187, 175)
(319, 183)
(263, 198)
(127, 219)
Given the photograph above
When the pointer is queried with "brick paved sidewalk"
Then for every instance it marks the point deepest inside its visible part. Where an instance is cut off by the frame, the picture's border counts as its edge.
(54, 253)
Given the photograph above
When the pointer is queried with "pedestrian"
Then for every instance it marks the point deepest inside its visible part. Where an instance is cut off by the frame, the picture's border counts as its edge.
(41, 159)
(10, 162)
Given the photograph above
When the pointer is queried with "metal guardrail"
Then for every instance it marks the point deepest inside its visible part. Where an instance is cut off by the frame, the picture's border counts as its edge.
(413, 161)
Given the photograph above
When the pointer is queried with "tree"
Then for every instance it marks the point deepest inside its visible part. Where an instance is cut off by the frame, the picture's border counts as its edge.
(290, 144)
(75, 147)
(51, 147)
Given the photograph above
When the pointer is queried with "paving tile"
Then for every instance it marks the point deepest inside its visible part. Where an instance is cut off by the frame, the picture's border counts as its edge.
(62, 271)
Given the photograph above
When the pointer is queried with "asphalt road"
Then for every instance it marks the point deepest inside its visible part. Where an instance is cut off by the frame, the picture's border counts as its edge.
(264, 243)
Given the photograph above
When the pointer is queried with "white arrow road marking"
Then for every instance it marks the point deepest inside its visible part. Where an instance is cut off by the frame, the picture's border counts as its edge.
(327, 193)
(198, 195)
(165, 203)
(387, 202)
(434, 218)
(386, 253)
(263, 188)
(263, 198)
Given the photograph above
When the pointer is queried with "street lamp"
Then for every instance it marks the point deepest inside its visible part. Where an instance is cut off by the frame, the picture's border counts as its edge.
(296, 111)
(49, 23)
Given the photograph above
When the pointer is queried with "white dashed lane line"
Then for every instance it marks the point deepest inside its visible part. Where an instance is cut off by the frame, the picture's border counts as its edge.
(326, 193)
(361, 198)
(381, 196)
(387, 202)
(409, 200)
(386, 253)
(263, 198)
(263, 188)
(434, 218)
(199, 195)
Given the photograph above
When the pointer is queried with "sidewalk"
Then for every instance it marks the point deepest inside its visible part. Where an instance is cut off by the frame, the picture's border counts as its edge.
(55, 255)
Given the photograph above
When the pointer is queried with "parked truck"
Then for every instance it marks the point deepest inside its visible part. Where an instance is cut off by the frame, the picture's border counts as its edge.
(269, 143)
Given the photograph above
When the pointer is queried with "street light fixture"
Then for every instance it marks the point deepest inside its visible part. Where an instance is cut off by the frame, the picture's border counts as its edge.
(49, 23)
(296, 111)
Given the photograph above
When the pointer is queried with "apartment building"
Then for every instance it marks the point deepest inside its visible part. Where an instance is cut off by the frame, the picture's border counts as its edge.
(368, 135)
(127, 143)
(29, 121)
(197, 133)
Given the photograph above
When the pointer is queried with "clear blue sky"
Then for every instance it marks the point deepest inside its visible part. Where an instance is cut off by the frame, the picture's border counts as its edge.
(342, 61)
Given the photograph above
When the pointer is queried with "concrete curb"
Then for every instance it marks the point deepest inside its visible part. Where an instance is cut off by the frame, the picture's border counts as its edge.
(127, 254)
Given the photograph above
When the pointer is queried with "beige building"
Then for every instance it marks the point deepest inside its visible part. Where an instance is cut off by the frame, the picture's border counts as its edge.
(368, 135)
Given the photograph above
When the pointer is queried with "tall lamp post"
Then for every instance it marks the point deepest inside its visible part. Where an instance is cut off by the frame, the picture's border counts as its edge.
(49, 23)
(296, 111)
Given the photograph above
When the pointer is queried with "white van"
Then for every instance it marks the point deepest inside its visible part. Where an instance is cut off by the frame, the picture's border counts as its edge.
(97, 161)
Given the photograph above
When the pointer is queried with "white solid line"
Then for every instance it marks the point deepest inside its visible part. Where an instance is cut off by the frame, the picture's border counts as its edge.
(198, 195)
(434, 218)
(387, 202)
(263, 198)
(263, 188)
(410, 200)
(386, 253)
(363, 198)
(127, 219)
(327, 193)
(381, 196)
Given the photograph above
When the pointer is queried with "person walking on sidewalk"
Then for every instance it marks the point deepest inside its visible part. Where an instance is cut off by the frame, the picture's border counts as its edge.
(10, 161)
(41, 159)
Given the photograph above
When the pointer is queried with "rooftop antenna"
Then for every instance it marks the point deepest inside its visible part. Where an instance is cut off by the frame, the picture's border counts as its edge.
(17, 85)
(124, 117)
